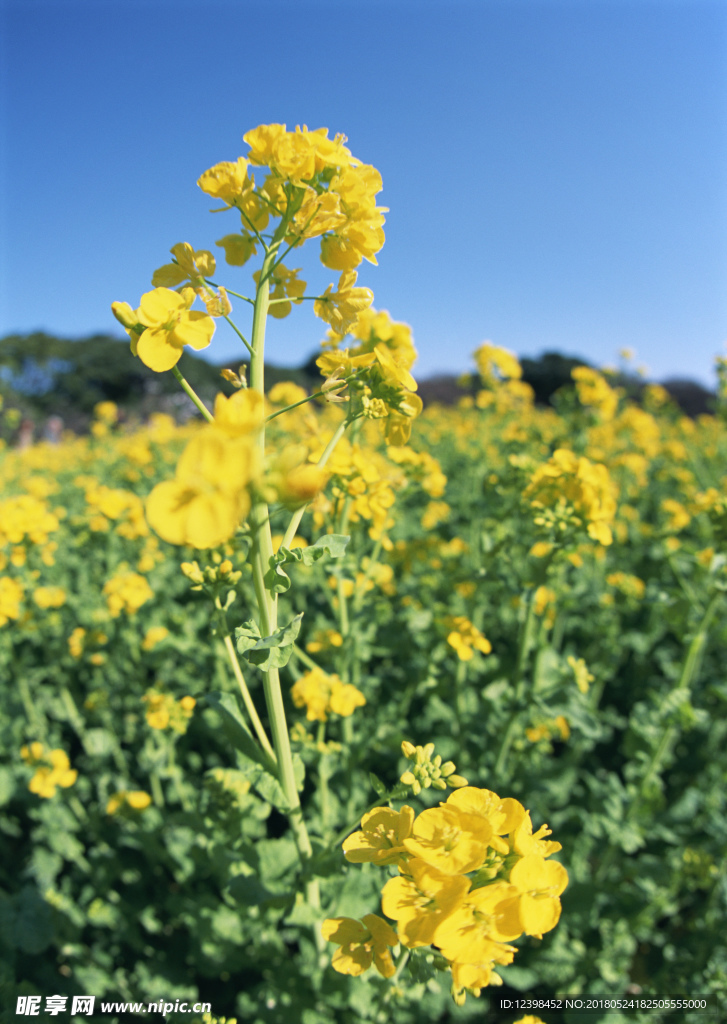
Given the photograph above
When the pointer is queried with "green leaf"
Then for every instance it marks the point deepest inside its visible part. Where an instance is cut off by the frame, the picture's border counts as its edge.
(278, 581)
(269, 651)
(378, 786)
(246, 636)
(333, 544)
(33, 924)
(236, 728)
(7, 785)
(547, 669)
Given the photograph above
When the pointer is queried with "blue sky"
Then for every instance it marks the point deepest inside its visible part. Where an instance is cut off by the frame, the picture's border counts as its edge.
(556, 171)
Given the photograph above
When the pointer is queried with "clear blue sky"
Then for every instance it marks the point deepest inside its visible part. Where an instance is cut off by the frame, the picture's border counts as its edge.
(556, 172)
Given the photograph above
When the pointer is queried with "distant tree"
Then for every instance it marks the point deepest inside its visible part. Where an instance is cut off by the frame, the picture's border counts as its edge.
(549, 372)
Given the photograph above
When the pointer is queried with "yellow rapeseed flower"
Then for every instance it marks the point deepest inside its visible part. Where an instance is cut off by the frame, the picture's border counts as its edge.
(49, 597)
(53, 769)
(361, 943)
(320, 694)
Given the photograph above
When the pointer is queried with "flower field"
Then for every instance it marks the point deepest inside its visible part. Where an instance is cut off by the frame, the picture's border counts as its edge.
(333, 709)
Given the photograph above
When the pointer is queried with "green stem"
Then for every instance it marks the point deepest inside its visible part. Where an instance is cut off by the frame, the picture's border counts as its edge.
(522, 654)
(246, 696)
(229, 291)
(193, 395)
(309, 398)
(300, 653)
(324, 794)
(298, 514)
(262, 552)
(681, 580)
(156, 788)
(239, 334)
(37, 723)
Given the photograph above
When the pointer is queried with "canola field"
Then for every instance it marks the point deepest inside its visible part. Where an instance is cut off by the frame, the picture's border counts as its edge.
(334, 709)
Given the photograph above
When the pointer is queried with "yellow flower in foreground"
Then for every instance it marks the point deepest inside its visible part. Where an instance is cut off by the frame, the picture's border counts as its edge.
(450, 839)
(207, 500)
(361, 943)
(420, 900)
(381, 838)
(480, 927)
(540, 883)
(167, 325)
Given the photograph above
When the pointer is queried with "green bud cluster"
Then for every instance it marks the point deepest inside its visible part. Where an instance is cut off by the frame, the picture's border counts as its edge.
(211, 578)
(427, 769)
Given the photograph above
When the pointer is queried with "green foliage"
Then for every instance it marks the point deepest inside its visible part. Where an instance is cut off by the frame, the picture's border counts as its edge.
(201, 894)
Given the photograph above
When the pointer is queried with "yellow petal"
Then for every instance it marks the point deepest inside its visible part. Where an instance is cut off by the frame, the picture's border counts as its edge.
(343, 930)
(168, 276)
(156, 351)
(194, 328)
(156, 307)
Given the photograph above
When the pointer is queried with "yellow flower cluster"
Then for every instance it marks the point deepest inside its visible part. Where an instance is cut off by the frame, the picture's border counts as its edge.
(548, 729)
(472, 878)
(629, 586)
(53, 769)
(580, 671)
(116, 504)
(495, 364)
(322, 694)
(106, 412)
(11, 595)
(135, 800)
(26, 517)
(320, 190)
(334, 195)
(153, 636)
(126, 591)
(572, 486)
(465, 638)
(422, 467)
(163, 711)
(209, 496)
(80, 640)
(365, 481)
(377, 371)
(49, 597)
(595, 392)
(324, 640)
